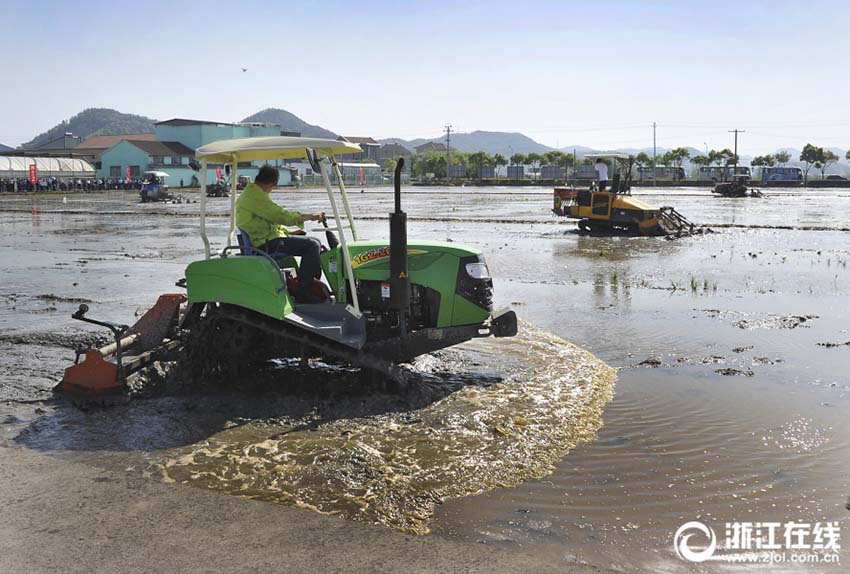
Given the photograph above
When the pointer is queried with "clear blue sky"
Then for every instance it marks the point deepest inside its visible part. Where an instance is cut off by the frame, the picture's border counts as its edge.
(588, 73)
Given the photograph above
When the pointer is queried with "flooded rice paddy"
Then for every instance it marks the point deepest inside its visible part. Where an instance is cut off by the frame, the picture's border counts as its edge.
(730, 402)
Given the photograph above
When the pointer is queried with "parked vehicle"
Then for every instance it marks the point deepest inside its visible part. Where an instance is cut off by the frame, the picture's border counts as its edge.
(584, 172)
(660, 173)
(719, 173)
(781, 174)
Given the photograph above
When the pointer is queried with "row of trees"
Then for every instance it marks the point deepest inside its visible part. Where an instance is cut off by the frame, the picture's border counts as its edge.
(536, 160)
(818, 158)
(434, 162)
(677, 157)
(672, 158)
(812, 157)
(780, 158)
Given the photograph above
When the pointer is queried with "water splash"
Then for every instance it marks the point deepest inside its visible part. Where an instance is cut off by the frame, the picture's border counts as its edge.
(393, 468)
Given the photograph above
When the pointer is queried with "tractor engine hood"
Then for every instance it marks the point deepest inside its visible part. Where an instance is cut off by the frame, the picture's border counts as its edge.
(375, 255)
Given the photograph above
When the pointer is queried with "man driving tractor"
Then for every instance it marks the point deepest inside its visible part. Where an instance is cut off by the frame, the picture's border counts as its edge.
(263, 220)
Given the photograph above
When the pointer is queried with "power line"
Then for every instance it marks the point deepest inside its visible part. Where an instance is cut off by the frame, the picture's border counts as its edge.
(713, 126)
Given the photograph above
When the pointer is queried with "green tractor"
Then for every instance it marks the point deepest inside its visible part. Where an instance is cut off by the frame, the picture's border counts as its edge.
(390, 301)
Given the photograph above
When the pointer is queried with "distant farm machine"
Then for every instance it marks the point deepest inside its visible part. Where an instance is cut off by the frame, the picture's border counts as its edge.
(615, 210)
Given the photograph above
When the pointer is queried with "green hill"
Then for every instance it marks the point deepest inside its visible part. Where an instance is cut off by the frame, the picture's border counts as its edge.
(95, 121)
(290, 122)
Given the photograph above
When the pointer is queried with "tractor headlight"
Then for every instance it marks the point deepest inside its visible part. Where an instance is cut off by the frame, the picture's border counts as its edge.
(474, 283)
(477, 270)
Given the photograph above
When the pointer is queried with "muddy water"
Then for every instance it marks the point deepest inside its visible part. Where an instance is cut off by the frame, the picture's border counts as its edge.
(393, 468)
(731, 403)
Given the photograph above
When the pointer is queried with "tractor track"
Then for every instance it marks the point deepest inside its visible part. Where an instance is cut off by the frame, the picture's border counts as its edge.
(301, 338)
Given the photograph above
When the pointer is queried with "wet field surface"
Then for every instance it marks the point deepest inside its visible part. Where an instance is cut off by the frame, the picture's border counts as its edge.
(730, 402)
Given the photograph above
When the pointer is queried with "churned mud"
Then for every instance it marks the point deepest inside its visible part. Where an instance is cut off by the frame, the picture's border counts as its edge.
(789, 322)
(729, 372)
(393, 468)
(349, 450)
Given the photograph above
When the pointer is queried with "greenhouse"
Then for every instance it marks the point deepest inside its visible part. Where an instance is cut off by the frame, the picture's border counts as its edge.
(58, 167)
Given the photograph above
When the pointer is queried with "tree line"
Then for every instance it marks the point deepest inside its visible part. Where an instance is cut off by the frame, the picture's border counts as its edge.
(434, 162)
(818, 158)
(811, 156)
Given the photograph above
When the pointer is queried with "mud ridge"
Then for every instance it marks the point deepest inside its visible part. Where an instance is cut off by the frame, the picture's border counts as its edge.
(781, 227)
(59, 299)
(67, 340)
(832, 345)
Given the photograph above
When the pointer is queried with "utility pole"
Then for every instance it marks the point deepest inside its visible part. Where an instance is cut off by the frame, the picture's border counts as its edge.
(654, 154)
(736, 132)
(575, 166)
(448, 149)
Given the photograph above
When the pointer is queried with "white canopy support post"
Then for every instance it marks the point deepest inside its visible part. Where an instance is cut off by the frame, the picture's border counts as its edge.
(204, 209)
(346, 256)
(231, 237)
(345, 203)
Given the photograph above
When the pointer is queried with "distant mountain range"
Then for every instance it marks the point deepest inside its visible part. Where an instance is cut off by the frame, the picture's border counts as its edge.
(504, 143)
(106, 121)
(95, 121)
(5, 148)
(509, 143)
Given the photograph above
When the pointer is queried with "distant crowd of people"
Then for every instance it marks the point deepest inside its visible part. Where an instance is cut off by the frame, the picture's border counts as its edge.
(20, 184)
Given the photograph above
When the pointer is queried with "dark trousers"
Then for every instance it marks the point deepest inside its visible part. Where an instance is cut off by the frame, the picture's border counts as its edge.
(308, 248)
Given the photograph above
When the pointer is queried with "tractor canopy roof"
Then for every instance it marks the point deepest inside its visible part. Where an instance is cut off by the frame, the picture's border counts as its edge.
(271, 148)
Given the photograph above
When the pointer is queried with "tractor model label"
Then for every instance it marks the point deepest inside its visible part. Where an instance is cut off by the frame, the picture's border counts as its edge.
(385, 290)
(376, 254)
(370, 255)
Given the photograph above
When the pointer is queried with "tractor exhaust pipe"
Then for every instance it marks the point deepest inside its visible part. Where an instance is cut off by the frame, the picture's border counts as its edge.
(399, 279)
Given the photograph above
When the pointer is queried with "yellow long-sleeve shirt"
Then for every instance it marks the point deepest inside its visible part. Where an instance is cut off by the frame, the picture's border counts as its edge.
(260, 217)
